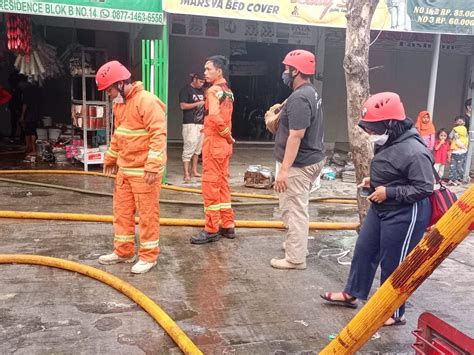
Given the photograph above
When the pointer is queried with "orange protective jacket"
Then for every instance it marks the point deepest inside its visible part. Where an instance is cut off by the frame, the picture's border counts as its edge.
(139, 140)
(218, 120)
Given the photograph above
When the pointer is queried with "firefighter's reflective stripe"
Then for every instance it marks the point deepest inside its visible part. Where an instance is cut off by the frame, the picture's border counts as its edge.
(124, 238)
(218, 207)
(112, 153)
(224, 132)
(213, 207)
(150, 245)
(131, 132)
(133, 171)
(155, 155)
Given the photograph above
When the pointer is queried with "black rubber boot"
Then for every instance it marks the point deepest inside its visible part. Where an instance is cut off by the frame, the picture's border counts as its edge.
(227, 232)
(204, 237)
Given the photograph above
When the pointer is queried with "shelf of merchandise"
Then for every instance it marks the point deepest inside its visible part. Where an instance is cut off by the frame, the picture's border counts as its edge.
(90, 162)
(93, 52)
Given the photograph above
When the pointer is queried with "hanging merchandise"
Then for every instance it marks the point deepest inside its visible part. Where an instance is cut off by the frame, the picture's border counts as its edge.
(19, 34)
(42, 63)
(75, 65)
(72, 57)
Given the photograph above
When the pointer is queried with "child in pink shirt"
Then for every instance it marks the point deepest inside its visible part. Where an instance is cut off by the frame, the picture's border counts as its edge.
(442, 151)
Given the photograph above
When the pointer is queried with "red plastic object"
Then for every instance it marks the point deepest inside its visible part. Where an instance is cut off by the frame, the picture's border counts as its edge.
(436, 337)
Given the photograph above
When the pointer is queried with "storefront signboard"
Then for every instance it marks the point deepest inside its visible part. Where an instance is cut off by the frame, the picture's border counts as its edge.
(435, 16)
(242, 30)
(137, 11)
(444, 16)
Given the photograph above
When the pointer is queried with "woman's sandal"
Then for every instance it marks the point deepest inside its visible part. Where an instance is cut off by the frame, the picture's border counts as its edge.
(397, 321)
(347, 302)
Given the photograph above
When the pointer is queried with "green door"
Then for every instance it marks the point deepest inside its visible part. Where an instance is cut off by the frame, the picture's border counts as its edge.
(155, 69)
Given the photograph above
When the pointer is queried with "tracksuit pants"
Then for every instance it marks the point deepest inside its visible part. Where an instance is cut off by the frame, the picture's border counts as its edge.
(216, 154)
(386, 238)
(132, 193)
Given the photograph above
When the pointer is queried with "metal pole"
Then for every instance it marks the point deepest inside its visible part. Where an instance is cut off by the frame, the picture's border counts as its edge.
(470, 151)
(434, 73)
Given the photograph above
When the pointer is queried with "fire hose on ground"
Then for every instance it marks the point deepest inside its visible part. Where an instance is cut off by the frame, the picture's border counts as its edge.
(165, 201)
(169, 222)
(339, 200)
(154, 310)
(435, 246)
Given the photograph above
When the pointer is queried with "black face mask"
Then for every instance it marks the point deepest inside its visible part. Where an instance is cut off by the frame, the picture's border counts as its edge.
(288, 79)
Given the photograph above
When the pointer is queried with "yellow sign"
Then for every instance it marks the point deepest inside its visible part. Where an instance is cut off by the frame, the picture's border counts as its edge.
(302, 12)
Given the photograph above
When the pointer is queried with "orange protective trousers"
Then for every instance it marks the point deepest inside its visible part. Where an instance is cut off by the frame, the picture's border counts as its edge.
(132, 193)
(216, 154)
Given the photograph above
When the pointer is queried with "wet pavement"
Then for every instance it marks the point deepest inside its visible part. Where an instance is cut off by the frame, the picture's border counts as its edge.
(224, 295)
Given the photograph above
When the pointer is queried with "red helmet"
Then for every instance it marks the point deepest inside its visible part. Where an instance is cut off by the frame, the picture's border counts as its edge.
(302, 60)
(383, 106)
(110, 73)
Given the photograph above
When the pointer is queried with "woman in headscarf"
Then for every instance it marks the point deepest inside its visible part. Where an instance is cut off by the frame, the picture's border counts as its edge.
(426, 128)
(400, 183)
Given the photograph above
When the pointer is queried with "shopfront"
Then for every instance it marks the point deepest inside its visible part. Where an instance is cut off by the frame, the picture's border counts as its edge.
(256, 35)
(59, 45)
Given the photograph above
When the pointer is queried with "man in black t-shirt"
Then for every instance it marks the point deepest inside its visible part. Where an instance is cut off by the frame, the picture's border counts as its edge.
(299, 151)
(191, 101)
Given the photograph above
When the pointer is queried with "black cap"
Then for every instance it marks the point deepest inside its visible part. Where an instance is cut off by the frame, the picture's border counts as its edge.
(196, 76)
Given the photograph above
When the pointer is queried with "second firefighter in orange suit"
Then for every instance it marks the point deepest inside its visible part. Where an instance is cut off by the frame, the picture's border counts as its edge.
(216, 154)
(137, 155)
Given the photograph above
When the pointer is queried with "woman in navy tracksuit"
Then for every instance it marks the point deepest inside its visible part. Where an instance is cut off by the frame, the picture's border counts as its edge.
(401, 180)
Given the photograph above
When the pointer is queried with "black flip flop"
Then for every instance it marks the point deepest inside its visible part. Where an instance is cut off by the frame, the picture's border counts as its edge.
(346, 303)
(398, 321)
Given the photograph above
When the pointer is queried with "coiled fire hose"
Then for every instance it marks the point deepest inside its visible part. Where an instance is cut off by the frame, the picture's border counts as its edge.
(155, 311)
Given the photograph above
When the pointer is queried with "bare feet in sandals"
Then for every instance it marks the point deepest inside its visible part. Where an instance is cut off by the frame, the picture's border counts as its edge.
(395, 321)
(340, 298)
(196, 174)
(187, 179)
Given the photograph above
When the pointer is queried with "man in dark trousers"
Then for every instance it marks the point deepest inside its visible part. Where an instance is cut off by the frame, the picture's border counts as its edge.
(15, 105)
(30, 115)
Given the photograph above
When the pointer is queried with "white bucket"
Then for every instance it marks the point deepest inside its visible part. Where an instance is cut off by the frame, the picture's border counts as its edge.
(47, 121)
(103, 148)
(42, 133)
(54, 133)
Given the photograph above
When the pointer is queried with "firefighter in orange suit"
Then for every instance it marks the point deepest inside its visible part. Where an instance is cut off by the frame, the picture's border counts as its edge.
(137, 155)
(216, 154)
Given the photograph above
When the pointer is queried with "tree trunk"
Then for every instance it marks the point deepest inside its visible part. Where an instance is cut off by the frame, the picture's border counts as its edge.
(356, 67)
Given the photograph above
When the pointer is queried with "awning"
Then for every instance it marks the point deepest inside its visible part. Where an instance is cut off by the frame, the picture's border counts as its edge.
(441, 16)
(137, 11)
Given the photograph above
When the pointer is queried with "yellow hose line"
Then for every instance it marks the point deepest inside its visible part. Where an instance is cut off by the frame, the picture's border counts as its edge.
(173, 330)
(234, 194)
(51, 172)
(435, 246)
(177, 202)
(340, 200)
(175, 222)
